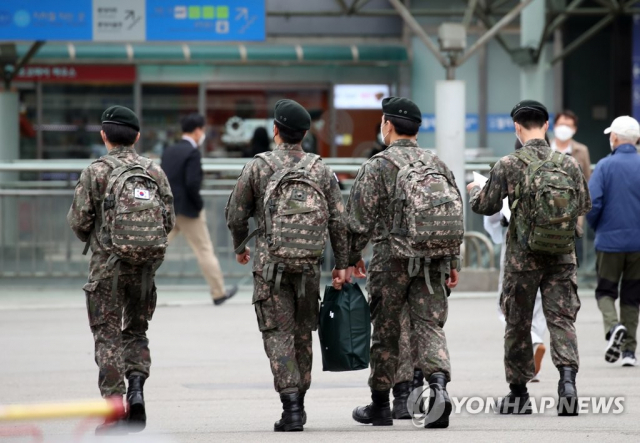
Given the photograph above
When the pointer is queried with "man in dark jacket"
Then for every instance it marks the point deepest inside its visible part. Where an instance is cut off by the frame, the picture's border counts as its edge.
(615, 191)
(183, 165)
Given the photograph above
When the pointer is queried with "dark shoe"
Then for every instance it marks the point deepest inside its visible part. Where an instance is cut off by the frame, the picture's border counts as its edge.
(279, 425)
(629, 358)
(135, 399)
(401, 392)
(567, 392)
(304, 413)
(227, 295)
(377, 413)
(418, 382)
(616, 337)
(439, 402)
(516, 402)
(291, 419)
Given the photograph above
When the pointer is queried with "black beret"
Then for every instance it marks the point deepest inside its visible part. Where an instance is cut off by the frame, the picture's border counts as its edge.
(292, 115)
(402, 108)
(120, 115)
(531, 105)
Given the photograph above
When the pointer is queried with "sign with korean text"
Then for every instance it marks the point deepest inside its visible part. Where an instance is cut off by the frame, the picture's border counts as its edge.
(133, 20)
(77, 73)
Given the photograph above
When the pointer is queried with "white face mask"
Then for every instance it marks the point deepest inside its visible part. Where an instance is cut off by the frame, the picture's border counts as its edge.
(382, 136)
(563, 133)
(519, 138)
(201, 139)
(611, 144)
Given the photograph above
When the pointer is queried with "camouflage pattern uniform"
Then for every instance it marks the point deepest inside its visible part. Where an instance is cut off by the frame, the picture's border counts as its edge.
(119, 324)
(389, 284)
(286, 319)
(405, 359)
(526, 271)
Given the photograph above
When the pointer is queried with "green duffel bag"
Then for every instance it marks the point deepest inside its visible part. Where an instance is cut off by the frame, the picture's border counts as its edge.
(345, 329)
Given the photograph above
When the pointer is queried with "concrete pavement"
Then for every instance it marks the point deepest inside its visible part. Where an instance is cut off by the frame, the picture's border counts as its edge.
(211, 381)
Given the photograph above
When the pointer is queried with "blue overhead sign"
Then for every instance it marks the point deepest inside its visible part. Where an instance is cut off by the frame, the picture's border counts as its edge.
(133, 20)
(45, 20)
(213, 20)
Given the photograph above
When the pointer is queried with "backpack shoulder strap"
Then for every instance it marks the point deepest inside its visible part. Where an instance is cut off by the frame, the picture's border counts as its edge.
(308, 161)
(557, 158)
(113, 162)
(524, 156)
(271, 159)
(394, 158)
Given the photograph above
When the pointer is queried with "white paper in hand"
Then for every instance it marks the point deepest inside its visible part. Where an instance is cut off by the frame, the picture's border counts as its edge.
(506, 210)
(480, 179)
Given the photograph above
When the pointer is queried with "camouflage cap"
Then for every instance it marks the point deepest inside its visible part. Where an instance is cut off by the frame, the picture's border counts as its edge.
(402, 108)
(530, 105)
(292, 115)
(120, 115)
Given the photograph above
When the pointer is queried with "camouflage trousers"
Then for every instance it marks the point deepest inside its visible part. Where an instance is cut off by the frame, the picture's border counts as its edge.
(119, 325)
(405, 359)
(286, 320)
(425, 340)
(560, 304)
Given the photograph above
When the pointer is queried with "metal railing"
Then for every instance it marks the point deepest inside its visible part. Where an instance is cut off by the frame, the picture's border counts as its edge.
(35, 240)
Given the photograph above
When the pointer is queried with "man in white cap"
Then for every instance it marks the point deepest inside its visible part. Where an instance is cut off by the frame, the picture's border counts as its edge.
(615, 193)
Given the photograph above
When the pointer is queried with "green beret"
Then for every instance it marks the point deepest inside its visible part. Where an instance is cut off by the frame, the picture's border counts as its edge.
(120, 115)
(292, 115)
(402, 108)
(530, 105)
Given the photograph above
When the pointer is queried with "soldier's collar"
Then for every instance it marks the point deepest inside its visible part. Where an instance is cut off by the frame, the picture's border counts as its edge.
(121, 150)
(405, 142)
(288, 147)
(536, 143)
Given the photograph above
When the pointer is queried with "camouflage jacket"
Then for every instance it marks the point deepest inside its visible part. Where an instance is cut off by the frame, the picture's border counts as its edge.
(369, 205)
(86, 208)
(503, 179)
(246, 201)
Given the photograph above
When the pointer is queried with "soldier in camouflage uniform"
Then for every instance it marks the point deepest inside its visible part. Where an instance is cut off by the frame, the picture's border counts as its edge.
(286, 303)
(118, 319)
(390, 285)
(526, 271)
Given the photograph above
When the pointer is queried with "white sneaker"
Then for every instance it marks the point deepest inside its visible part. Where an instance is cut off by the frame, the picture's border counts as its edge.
(629, 359)
(617, 334)
(535, 379)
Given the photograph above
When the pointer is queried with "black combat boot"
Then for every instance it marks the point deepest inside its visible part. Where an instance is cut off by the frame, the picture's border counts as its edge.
(119, 426)
(135, 399)
(279, 425)
(439, 402)
(516, 402)
(291, 419)
(567, 392)
(377, 413)
(304, 413)
(401, 393)
(418, 382)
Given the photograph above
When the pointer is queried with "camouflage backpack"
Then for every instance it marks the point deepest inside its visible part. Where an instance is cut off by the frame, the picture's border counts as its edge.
(427, 214)
(296, 216)
(545, 208)
(132, 225)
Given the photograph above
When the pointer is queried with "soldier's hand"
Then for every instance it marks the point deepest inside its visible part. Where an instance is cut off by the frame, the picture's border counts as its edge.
(472, 185)
(357, 271)
(452, 281)
(360, 270)
(244, 258)
(338, 276)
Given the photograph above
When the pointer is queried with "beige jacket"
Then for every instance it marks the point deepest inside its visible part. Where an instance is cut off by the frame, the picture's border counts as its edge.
(581, 153)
